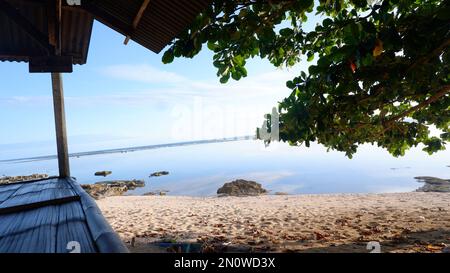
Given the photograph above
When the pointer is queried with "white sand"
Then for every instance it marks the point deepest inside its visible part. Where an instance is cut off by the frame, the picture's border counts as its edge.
(401, 222)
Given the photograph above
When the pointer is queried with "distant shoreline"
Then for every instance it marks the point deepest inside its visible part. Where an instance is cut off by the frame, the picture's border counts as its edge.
(129, 149)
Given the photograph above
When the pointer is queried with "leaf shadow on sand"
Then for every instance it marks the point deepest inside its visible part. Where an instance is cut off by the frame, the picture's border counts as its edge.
(434, 240)
(416, 242)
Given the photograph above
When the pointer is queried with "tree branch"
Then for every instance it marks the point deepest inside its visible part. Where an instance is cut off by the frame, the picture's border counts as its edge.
(440, 93)
(433, 53)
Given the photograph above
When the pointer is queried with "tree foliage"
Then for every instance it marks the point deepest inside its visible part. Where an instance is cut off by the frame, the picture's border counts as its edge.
(379, 70)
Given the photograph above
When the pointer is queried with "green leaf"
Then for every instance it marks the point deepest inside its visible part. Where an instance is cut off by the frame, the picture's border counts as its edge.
(212, 46)
(168, 56)
(327, 22)
(225, 78)
(285, 32)
(351, 96)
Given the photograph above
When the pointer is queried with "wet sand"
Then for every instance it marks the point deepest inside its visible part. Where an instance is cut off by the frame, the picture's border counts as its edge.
(400, 222)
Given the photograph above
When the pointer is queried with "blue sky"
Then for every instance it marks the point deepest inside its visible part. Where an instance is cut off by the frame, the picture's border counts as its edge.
(125, 94)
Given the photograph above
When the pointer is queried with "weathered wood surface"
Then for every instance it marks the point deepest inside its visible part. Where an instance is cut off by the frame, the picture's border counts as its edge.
(72, 227)
(31, 193)
(47, 216)
(60, 125)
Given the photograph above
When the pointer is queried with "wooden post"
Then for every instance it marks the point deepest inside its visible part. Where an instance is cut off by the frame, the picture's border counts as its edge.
(54, 35)
(60, 125)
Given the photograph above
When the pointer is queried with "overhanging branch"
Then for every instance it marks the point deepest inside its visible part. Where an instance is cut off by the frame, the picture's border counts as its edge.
(444, 90)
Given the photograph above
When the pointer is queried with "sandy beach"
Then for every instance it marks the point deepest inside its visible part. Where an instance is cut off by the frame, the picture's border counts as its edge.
(400, 222)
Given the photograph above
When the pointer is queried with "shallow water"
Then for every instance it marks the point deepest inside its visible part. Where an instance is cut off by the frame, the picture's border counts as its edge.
(199, 170)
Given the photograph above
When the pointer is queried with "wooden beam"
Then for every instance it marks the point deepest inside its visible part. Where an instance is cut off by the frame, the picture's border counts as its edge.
(60, 125)
(31, 206)
(137, 18)
(58, 28)
(29, 28)
(54, 12)
(51, 63)
(54, 62)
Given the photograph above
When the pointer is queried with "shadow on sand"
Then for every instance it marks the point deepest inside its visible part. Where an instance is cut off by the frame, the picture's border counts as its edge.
(424, 241)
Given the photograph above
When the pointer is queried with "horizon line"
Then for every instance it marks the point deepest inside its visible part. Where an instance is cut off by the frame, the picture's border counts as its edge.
(131, 149)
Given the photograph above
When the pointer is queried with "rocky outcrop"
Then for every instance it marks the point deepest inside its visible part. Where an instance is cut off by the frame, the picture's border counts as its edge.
(103, 173)
(112, 188)
(241, 187)
(433, 184)
(155, 174)
(21, 178)
(158, 192)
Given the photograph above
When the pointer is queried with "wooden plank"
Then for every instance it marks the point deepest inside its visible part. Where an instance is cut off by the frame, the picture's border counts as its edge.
(11, 189)
(7, 191)
(29, 232)
(41, 185)
(48, 228)
(60, 125)
(4, 195)
(79, 221)
(72, 227)
(38, 194)
(15, 207)
(137, 19)
(50, 64)
(54, 24)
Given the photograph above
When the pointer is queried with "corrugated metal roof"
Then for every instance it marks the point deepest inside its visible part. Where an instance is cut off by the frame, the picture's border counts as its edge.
(160, 23)
(17, 45)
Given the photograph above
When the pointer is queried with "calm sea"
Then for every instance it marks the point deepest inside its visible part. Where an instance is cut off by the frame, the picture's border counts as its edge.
(199, 170)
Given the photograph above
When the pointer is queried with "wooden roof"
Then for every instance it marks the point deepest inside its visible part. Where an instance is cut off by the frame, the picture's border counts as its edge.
(18, 45)
(160, 22)
(151, 23)
(44, 216)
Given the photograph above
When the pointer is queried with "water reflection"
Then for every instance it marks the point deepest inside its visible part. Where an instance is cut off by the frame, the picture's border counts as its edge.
(200, 170)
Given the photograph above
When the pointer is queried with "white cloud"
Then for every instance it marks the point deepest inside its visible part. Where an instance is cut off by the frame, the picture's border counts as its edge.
(194, 109)
(173, 88)
(141, 73)
(26, 100)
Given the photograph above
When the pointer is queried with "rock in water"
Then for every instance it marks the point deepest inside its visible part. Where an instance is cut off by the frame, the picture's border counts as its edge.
(103, 173)
(433, 184)
(159, 173)
(158, 192)
(241, 187)
(111, 188)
